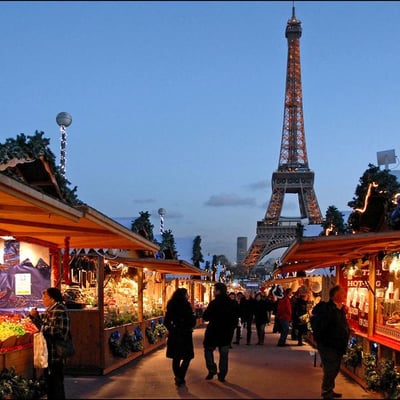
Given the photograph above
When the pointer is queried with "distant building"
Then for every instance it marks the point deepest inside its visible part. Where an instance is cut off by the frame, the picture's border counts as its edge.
(241, 249)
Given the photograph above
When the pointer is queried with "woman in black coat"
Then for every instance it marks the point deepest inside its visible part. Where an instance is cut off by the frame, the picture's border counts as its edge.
(180, 321)
(260, 316)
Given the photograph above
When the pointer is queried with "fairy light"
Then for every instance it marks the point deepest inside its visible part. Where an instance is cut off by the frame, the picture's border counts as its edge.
(370, 186)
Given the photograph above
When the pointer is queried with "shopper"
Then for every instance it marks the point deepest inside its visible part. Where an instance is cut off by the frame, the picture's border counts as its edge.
(222, 316)
(331, 332)
(232, 296)
(241, 304)
(284, 315)
(260, 316)
(180, 321)
(55, 325)
(300, 314)
(247, 307)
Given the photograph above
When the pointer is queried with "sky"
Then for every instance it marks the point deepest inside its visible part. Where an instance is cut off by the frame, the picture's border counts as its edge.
(179, 105)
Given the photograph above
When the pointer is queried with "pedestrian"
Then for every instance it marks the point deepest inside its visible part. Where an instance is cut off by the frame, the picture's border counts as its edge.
(300, 314)
(248, 314)
(232, 296)
(331, 332)
(55, 325)
(270, 306)
(180, 321)
(242, 304)
(284, 315)
(260, 316)
(277, 294)
(222, 316)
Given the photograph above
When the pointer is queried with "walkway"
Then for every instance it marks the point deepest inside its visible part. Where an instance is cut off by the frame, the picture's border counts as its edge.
(255, 372)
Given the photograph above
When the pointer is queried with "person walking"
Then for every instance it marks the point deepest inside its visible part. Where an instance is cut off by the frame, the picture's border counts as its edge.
(242, 304)
(300, 314)
(232, 296)
(260, 316)
(331, 332)
(247, 308)
(284, 315)
(222, 316)
(180, 321)
(55, 325)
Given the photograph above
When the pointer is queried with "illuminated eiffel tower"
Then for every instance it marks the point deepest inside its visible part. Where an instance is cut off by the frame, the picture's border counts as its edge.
(293, 174)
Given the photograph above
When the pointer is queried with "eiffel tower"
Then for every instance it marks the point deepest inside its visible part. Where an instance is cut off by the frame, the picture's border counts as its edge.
(293, 174)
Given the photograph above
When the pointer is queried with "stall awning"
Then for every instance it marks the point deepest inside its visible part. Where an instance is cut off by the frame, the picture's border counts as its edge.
(325, 251)
(174, 267)
(31, 216)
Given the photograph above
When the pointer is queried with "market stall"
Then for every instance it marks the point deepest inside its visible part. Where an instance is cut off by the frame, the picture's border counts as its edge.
(31, 218)
(130, 322)
(367, 266)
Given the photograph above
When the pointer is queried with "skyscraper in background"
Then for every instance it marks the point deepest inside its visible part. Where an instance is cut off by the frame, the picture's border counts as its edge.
(241, 249)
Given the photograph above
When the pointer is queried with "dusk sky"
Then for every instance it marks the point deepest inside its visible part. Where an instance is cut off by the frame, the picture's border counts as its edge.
(180, 104)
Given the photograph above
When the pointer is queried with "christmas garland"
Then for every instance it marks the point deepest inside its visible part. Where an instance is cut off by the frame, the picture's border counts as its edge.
(121, 347)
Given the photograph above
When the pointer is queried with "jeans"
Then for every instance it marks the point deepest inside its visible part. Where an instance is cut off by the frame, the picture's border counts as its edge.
(284, 331)
(330, 359)
(223, 360)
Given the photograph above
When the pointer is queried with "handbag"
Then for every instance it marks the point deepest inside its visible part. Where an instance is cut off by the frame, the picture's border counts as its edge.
(304, 319)
(64, 348)
(40, 352)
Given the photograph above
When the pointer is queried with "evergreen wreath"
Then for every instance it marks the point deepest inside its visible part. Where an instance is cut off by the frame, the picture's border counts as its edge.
(115, 342)
(121, 347)
(156, 331)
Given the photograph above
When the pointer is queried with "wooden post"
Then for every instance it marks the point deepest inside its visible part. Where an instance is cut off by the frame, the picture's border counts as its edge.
(55, 266)
(371, 295)
(140, 293)
(66, 271)
(164, 293)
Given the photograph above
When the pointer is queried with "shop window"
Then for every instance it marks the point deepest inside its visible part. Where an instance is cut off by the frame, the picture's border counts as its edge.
(387, 303)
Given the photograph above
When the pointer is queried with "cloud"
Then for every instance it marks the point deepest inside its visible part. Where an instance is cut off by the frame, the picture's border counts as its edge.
(143, 201)
(230, 200)
(260, 185)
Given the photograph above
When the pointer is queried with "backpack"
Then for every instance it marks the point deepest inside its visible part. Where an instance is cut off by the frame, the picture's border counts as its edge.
(317, 320)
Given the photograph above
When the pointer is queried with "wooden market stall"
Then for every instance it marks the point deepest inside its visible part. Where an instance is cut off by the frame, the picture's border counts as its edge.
(113, 285)
(30, 216)
(129, 323)
(368, 267)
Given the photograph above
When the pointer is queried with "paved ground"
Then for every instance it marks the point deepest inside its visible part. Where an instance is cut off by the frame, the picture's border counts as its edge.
(255, 372)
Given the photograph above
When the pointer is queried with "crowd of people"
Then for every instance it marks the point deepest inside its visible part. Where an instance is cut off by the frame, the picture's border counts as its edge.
(230, 317)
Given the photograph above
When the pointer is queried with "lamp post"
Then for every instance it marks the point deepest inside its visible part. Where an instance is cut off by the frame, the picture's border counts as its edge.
(63, 120)
(161, 213)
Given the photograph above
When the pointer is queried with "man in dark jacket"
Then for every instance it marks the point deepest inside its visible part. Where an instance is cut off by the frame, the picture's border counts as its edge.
(332, 339)
(222, 316)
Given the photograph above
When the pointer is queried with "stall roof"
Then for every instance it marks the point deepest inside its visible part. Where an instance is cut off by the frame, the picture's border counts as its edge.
(32, 216)
(175, 267)
(325, 251)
